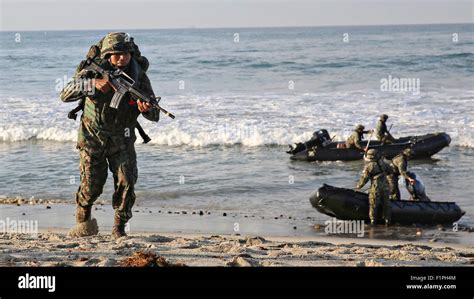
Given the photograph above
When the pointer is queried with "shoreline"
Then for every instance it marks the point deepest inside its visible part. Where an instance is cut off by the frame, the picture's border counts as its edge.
(182, 238)
(61, 216)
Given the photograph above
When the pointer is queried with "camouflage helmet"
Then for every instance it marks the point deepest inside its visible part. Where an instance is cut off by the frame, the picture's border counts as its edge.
(408, 152)
(116, 42)
(384, 116)
(359, 128)
(371, 154)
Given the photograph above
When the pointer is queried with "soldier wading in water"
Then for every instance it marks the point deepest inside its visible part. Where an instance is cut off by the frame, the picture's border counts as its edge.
(377, 171)
(106, 136)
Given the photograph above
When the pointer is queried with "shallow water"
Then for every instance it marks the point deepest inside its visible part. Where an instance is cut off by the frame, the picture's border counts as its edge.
(236, 113)
(258, 180)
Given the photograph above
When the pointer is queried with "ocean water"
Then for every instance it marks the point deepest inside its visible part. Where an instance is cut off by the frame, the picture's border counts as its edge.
(238, 103)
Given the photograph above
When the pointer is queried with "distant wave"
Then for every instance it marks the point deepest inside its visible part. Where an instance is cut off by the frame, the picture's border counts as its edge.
(248, 51)
(195, 137)
(248, 63)
(465, 57)
(336, 64)
(427, 62)
(225, 62)
(456, 55)
(261, 65)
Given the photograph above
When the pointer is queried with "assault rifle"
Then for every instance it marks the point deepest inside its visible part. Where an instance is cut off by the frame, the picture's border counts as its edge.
(122, 84)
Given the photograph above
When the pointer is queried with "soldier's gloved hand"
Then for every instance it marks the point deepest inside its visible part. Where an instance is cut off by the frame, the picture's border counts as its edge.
(143, 106)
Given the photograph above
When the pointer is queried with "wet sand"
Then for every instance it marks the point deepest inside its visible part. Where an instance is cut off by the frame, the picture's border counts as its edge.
(58, 214)
(217, 238)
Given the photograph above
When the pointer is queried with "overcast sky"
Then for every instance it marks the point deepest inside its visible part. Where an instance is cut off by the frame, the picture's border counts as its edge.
(18, 15)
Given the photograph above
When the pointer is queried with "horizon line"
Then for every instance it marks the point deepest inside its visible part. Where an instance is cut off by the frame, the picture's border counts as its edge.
(244, 27)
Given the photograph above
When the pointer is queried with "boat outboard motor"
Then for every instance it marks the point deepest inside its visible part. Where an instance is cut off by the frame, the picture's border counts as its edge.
(416, 190)
(319, 139)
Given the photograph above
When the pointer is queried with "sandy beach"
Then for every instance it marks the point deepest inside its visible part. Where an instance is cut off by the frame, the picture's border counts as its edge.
(180, 238)
(55, 248)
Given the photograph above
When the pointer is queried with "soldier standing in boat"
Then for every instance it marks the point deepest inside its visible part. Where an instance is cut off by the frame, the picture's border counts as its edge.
(381, 132)
(399, 167)
(376, 170)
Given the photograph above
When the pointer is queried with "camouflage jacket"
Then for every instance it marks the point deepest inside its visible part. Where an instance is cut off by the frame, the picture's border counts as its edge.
(381, 130)
(354, 141)
(399, 166)
(101, 124)
(376, 171)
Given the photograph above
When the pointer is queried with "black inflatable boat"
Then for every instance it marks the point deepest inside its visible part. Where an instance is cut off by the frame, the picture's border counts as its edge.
(321, 148)
(346, 204)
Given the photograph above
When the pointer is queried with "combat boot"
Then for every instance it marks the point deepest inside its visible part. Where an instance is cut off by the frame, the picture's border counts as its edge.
(118, 230)
(85, 226)
(83, 214)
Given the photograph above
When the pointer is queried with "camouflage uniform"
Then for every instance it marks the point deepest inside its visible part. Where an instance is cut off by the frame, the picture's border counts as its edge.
(356, 137)
(398, 167)
(381, 131)
(376, 170)
(106, 138)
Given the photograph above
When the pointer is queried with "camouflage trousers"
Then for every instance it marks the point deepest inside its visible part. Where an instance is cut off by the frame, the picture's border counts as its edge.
(379, 195)
(123, 165)
(393, 187)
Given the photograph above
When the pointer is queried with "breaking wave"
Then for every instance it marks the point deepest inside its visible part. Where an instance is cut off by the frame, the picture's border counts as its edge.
(259, 120)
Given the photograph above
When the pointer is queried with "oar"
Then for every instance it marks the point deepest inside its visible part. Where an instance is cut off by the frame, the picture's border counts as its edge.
(390, 128)
(368, 143)
(388, 131)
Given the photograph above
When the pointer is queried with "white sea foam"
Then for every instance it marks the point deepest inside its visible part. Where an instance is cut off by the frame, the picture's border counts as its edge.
(269, 119)
(19, 133)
